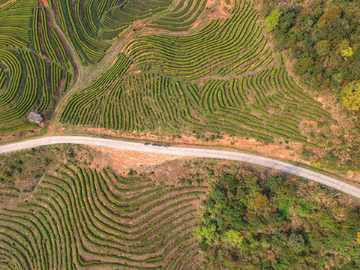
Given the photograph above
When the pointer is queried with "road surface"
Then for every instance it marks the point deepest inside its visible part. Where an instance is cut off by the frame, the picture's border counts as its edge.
(189, 152)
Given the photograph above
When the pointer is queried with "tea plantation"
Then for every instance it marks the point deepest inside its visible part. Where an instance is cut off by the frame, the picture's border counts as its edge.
(84, 218)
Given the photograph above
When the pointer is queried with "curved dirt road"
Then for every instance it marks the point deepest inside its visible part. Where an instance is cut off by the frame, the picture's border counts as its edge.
(190, 152)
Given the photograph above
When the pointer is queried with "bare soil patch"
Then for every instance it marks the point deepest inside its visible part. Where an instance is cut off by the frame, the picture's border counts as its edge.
(122, 161)
(272, 150)
(8, 2)
(44, 2)
(219, 13)
(195, 24)
(210, 3)
(228, 6)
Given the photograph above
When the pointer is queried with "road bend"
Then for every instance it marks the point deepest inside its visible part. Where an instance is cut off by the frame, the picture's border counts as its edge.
(188, 152)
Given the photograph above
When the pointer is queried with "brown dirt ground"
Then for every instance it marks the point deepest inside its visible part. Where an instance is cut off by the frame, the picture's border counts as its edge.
(228, 6)
(219, 13)
(268, 150)
(195, 24)
(275, 150)
(122, 161)
(44, 2)
(8, 2)
(210, 3)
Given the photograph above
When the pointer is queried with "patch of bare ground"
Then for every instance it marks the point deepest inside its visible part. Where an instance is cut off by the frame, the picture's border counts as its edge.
(227, 6)
(196, 24)
(273, 150)
(8, 2)
(122, 161)
(219, 13)
(210, 3)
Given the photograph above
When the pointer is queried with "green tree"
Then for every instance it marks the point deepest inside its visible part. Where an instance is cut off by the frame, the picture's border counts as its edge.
(233, 237)
(351, 96)
(274, 183)
(296, 243)
(260, 201)
(329, 15)
(339, 77)
(206, 233)
(303, 64)
(347, 53)
(272, 20)
(323, 47)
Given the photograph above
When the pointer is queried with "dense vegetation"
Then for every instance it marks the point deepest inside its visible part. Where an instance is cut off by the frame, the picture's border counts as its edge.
(273, 223)
(324, 38)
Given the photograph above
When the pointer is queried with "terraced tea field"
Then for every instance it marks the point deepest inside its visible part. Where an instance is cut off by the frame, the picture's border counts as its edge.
(224, 78)
(80, 218)
(167, 77)
(35, 64)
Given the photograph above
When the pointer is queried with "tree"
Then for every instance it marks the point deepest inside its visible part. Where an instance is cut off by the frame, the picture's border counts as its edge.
(233, 237)
(260, 201)
(303, 64)
(329, 15)
(347, 53)
(220, 197)
(339, 77)
(206, 233)
(272, 20)
(274, 183)
(296, 243)
(323, 47)
(351, 96)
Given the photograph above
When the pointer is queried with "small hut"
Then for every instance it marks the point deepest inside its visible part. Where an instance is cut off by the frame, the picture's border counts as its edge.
(35, 117)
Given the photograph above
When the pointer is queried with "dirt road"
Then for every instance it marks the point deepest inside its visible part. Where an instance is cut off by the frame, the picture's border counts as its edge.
(191, 152)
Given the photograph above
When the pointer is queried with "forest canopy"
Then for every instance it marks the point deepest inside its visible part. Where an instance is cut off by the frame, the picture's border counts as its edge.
(275, 223)
(322, 37)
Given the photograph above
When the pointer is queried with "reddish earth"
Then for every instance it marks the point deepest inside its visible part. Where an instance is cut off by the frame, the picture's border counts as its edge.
(218, 13)
(228, 6)
(44, 2)
(122, 160)
(195, 24)
(210, 3)
(274, 150)
(8, 2)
